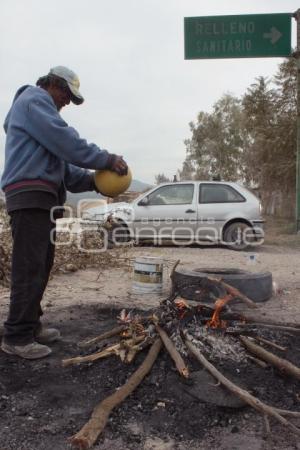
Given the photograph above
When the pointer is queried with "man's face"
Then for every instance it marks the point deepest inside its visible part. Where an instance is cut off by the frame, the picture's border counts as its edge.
(61, 96)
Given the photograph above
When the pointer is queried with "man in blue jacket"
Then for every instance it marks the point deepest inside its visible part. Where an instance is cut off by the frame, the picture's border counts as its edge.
(44, 157)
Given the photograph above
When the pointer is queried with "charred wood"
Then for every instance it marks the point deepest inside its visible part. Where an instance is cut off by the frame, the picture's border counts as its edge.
(173, 352)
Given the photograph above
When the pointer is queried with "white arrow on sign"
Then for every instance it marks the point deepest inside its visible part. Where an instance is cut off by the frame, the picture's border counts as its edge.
(274, 35)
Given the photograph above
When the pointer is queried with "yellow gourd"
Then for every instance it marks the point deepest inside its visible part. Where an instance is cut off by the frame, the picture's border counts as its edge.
(110, 183)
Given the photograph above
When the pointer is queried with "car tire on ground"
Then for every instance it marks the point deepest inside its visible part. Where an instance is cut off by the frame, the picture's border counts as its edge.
(257, 286)
(118, 234)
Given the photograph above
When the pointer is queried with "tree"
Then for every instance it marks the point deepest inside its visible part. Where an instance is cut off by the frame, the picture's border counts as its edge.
(259, 120)
(161, 178)
(285, 147)
(270, 124)
(215, 148)
(187, 172)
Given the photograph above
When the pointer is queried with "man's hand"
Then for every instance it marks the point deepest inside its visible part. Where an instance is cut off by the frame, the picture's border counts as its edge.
(119, 165)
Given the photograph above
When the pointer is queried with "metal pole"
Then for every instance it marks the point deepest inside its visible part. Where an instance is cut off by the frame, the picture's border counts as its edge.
(296, 15)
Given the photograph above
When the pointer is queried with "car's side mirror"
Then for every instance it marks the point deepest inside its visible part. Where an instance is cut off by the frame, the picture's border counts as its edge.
(144, 201)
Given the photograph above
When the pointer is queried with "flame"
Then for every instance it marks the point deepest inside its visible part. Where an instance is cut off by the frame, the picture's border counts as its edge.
(215, 321)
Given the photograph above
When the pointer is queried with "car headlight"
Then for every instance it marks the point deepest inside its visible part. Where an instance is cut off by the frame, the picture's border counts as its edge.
(86, 216)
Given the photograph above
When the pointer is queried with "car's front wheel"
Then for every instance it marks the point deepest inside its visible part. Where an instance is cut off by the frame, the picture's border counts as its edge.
(118, 234)
(238, 236)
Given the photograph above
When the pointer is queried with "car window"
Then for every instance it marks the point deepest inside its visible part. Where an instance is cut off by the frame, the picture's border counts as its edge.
(177, 194)
(219, 193)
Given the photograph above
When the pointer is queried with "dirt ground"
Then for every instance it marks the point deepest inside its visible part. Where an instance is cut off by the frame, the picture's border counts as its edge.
(42, 404)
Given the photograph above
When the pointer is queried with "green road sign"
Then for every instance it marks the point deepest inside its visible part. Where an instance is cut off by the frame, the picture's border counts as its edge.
(247, 36)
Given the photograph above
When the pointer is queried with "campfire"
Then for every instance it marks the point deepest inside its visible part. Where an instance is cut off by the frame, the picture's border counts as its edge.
(206, 333)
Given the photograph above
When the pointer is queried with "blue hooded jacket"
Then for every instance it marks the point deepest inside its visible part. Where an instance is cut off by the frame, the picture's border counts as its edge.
(41, 146)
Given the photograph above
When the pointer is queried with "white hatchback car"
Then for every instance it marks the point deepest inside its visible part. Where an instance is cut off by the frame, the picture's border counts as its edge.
(188, 212)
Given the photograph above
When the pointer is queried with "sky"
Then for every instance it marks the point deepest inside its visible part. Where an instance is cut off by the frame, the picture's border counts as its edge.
(140, 93)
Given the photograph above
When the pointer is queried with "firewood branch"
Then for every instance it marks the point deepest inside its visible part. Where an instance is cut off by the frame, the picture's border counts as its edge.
(89, 433)
(173, 288)
(258, 362)
(248, 398)
(266, 321)
(112, 350)
(281, 363)
(287, 413)
(258, 324)
(173, 352)
(270, 343)
(101, 337)
(174, 268)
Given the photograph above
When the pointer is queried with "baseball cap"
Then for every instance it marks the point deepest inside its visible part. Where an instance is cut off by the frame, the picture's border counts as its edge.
(73, 82)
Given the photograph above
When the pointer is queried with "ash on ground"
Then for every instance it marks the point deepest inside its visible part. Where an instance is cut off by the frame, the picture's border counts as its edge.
(43, 404)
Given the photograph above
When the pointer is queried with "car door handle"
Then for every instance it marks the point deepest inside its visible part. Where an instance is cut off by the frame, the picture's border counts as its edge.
(190, 211)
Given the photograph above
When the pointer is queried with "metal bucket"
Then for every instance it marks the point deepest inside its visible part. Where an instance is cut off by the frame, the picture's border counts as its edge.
(147, 275)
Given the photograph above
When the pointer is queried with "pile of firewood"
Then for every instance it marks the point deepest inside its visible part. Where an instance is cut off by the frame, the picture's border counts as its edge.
(85, 250)
(184, 330)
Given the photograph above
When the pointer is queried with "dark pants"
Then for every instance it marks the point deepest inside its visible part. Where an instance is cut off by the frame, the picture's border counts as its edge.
(32, 260)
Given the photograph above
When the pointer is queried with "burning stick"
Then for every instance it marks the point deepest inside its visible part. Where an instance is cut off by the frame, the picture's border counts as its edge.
(101, 337)
(88, 435)
(215, 321)
(263, 408)
(280, 363)
(113, 350)
(235, 292)
(175, 355)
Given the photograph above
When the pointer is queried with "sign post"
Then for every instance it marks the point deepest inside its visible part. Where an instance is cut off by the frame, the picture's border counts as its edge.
(247, 36)
(297, 56)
